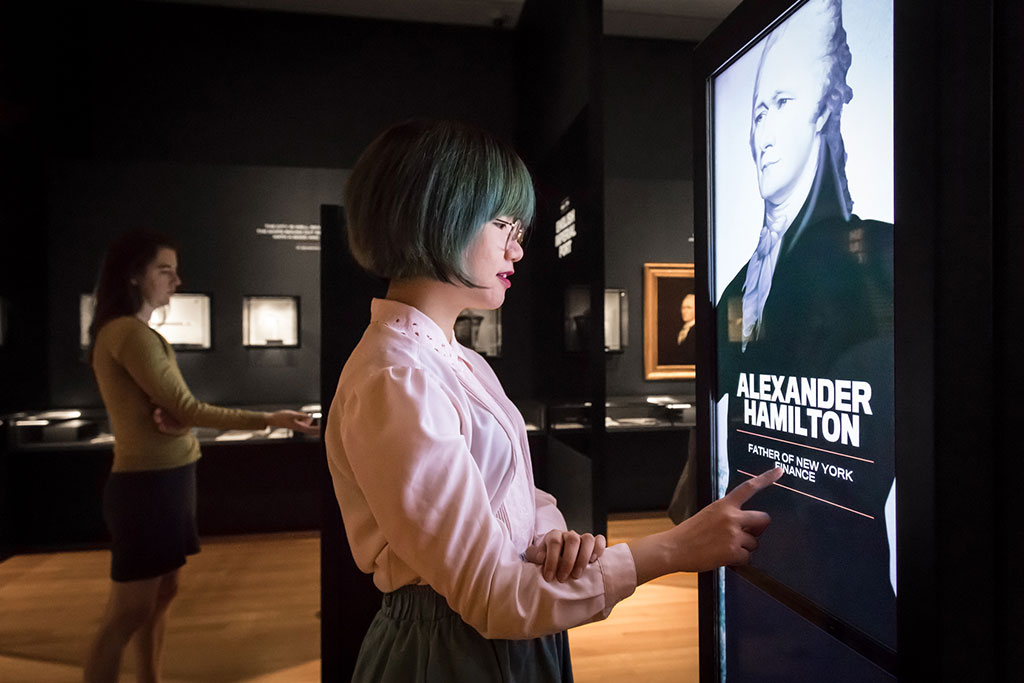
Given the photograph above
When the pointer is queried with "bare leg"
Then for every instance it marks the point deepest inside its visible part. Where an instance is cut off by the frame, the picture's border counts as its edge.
(130, 604)
(149, 639)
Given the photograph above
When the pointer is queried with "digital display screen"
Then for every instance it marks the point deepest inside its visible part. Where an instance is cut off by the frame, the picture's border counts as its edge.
(800, 259)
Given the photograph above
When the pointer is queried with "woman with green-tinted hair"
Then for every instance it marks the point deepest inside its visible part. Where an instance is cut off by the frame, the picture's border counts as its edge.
(430, 459)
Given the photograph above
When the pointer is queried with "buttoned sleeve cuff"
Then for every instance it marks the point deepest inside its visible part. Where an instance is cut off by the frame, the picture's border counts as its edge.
(619, 573)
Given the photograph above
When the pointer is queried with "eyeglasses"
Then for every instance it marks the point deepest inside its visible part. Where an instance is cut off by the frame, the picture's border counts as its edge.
(517, 231)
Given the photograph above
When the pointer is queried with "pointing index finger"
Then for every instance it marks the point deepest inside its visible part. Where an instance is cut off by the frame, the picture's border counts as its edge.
(745, 491)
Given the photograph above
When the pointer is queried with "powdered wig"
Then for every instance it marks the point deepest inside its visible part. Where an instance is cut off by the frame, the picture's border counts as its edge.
(819, 24)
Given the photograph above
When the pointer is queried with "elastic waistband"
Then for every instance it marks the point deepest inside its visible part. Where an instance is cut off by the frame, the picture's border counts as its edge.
(160, 473)
(415, 602)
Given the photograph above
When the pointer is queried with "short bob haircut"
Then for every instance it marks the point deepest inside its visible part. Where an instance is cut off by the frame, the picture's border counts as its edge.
(421, 192)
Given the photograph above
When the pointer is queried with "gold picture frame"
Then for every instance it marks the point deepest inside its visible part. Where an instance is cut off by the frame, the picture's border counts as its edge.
(669, 337)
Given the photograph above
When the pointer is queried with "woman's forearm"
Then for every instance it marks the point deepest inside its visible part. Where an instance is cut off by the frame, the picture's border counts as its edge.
(723, 533)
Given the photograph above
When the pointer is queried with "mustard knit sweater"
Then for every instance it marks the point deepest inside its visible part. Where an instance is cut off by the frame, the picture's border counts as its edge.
(136, 371)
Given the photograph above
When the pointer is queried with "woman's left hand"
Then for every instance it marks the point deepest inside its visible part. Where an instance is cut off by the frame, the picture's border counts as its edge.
(168, 424)
(565, 554)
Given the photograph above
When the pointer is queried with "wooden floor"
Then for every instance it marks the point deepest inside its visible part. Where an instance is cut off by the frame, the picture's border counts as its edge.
(247, 612)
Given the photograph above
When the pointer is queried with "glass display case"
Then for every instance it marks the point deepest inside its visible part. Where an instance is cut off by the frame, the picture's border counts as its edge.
(270, 321)
(577, 319)
(639, 412)
(534, 415)
(616, 320)
(184, 322)
(61, 459)
(72, 426)
(628, 413)
(569, 416)
(85, 427)
(480, 330)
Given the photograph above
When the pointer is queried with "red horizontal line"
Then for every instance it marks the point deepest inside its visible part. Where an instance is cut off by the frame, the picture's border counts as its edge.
(815, 448)
(841, 507)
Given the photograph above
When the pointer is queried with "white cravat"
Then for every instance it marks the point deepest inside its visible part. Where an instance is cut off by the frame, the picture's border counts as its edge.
(759, 274)
(684, 332)
(761, 268)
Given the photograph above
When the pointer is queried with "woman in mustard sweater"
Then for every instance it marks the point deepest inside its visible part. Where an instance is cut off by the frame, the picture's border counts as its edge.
(150, 498)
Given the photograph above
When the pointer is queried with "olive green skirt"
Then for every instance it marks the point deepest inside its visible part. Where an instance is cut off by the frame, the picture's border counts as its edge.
(417, 638)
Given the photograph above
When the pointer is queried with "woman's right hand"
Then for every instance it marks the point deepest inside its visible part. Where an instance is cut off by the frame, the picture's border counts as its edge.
(721, 534)
(294, 420)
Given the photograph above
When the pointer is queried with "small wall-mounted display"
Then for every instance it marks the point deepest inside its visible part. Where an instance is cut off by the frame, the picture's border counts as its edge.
(480, 330)
(184, 323)
(616, 320)
(577, 319)
(270, 321)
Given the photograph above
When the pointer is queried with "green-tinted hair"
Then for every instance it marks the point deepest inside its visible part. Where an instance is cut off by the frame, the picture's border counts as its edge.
(421, 192)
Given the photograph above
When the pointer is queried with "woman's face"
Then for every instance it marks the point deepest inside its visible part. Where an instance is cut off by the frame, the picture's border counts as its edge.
(490, 261)
(160, 279)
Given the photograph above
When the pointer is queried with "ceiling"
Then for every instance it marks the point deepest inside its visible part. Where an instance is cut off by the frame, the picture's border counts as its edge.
(690, 20)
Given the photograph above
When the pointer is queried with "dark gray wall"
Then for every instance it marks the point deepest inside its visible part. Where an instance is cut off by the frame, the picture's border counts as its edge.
(22, 179)
(648, 108)
(646, 221)
(156, 83)
(648, 184)
(214, 213)
(1008, 174)
(212, 85)
(204, 123)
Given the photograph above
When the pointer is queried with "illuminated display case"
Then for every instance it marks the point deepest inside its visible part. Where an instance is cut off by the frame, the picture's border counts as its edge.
(577, 319)
(480, 330)
(270, 321)
(616, 320)
(66, 511)
(184, 322)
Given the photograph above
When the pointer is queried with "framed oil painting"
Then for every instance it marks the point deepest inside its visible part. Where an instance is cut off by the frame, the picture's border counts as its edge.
(670, 338)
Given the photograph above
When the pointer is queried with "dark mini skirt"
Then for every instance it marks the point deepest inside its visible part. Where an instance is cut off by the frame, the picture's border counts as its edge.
(151, 516)
(417, 638)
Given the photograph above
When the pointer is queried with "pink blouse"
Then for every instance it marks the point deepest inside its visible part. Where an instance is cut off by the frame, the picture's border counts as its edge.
(431, 468)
